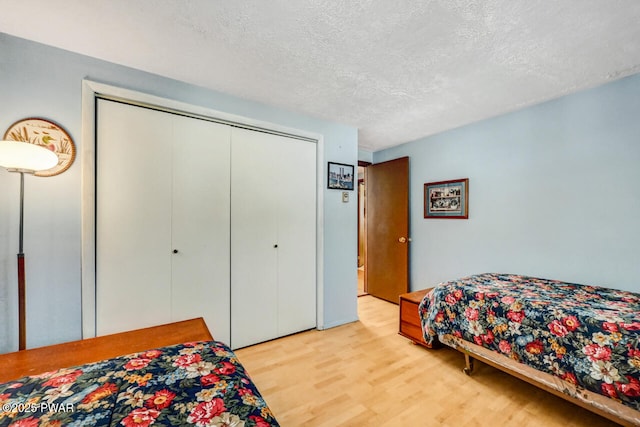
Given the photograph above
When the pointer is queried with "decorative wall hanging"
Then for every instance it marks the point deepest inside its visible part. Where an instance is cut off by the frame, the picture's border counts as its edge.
(340, 176)
(447, 199)
(48, 134)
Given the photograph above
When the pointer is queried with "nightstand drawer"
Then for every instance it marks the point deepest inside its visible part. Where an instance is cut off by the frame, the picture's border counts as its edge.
(411, 331)
(409, 312)
(410, 325)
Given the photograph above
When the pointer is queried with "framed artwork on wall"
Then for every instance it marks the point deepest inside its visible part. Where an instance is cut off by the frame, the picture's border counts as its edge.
(447, 199)
(340, 176)
(47, 134)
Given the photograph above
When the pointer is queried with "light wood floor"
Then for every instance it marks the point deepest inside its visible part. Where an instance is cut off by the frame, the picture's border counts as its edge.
(364, 374)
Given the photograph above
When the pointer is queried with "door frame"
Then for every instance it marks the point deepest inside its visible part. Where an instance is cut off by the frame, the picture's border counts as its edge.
(92, 90)
(364, 164)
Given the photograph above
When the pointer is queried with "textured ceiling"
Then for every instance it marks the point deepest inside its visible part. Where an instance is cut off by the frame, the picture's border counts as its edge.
(396, 70)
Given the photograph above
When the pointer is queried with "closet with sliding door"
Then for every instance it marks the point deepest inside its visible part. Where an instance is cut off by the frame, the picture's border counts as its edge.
(200, 218)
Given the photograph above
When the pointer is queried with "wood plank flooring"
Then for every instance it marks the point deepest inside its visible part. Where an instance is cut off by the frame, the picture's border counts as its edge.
(365, 374)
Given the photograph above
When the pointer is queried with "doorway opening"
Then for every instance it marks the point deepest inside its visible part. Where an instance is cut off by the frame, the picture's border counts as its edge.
(362, 234)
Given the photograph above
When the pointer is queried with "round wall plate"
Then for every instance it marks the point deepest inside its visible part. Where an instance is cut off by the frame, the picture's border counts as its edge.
(48, 134)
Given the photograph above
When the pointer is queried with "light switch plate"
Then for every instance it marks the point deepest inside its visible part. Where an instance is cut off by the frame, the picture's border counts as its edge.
(345, 197)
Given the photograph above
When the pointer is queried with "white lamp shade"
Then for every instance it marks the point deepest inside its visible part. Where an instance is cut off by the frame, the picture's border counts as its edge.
(18, 156)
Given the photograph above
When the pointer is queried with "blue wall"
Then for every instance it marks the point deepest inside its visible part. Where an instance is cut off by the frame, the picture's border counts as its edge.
(37, 80)
(365, 156)
(554, 192)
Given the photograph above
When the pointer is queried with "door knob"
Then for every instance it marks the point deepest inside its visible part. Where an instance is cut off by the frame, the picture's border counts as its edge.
(402, 240)
(175, 251)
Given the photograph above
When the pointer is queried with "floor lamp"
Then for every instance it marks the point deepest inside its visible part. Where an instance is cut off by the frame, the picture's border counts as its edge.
(24, 157)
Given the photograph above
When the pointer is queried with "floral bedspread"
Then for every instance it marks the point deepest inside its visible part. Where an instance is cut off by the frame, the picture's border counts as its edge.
(586, 335)
(199, 384)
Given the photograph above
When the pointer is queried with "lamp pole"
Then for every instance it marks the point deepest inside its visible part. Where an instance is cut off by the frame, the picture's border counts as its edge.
(22, 318)
(24, 157)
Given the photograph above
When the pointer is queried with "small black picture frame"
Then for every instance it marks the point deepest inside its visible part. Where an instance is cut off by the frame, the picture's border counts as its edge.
(340, 176)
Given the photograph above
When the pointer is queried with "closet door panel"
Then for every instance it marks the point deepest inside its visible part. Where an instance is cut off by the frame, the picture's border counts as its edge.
(253, 238)
(200, 224)
(133, 218)
(296, 187)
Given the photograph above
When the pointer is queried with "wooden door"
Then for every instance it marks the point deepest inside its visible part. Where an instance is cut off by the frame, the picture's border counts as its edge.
(387, 262)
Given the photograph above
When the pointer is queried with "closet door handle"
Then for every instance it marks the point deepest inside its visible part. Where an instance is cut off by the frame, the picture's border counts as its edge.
(275, 246)
(175, 251)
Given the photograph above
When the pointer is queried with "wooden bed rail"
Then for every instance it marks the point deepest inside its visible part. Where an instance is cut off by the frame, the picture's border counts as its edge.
(44, 359)
(596, 403)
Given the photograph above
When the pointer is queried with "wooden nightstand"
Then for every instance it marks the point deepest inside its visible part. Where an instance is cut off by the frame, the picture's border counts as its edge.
(410, 326)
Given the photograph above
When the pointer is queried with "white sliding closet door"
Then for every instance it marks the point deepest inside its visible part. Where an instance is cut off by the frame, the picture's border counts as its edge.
(200, 224)
(133, 218)
(273, 229)
(254, 239)
(162, 238)
(296, 188)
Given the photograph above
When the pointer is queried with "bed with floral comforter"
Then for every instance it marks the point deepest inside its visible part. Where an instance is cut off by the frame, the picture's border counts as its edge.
(199, 384)
(586, 335)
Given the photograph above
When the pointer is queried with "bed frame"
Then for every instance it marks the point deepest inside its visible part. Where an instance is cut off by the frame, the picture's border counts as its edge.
(593, 402)
(44, 359)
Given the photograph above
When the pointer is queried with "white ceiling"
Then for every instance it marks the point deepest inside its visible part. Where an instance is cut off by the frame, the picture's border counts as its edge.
(396, 70)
